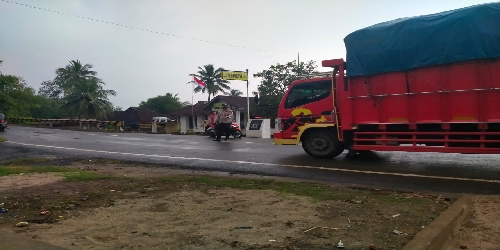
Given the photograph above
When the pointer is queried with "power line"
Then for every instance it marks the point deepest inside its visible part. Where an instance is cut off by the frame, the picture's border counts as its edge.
(146, 30)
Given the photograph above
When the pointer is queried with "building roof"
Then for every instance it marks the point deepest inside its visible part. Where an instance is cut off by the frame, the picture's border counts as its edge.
(204, 108)
(196, 110)
(137, 114)
(125, 116)
(237, 102)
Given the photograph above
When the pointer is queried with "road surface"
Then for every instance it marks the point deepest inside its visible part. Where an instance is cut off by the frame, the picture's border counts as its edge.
(391, 170)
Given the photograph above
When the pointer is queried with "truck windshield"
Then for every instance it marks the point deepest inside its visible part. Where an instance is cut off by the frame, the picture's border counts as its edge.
(304, 93)
(2, 116)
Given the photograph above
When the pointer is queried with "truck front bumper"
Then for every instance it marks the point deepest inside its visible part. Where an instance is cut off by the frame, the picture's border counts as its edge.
(279, 140)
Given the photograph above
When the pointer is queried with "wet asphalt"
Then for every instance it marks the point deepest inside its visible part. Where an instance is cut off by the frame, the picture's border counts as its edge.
(438, 172)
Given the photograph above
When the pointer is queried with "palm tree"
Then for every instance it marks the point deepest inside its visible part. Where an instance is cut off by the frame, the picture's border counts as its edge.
(88, 98)
(211, 77)
(235, 92)
(73, 74)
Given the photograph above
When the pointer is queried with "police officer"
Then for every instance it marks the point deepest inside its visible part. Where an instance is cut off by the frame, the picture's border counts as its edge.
(223, 120)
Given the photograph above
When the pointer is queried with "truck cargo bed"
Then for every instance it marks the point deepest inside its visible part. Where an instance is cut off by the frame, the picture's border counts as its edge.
(454, 105)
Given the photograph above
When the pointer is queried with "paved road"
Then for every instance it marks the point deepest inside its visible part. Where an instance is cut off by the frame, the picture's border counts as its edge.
(398, 170)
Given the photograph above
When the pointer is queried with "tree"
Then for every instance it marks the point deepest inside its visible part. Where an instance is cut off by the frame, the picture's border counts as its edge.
(75, 91)
(45, 107)
(211, 77)
(274, 83)
(66, 78)
(16, 97)
(117, 108)
(163, 104)
(73, 74)
(235, 92)
(51, 89)
(87, 98)
(278, 77)
(78, 91)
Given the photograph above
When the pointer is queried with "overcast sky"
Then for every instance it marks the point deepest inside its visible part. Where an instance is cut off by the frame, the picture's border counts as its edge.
(139, 65)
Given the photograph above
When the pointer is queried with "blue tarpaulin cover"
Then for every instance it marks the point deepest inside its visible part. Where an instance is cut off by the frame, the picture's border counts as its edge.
(406, 43)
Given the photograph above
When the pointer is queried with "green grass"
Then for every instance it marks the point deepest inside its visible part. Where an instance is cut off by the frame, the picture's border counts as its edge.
(24, 161)
(314, 191)
(68, 173)
(84, 176)
(3, 139)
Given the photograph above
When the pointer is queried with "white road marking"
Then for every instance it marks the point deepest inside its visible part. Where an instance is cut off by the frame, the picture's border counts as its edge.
(248, 142)
(268, 164)
(114, 135)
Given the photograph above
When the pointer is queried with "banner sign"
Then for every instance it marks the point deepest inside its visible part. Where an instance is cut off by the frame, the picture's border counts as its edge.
(234, 75)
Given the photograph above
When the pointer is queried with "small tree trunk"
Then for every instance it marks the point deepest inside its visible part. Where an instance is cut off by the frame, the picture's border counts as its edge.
(209, 97)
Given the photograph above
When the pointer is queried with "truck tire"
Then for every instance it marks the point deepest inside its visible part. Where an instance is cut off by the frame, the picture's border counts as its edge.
(322, 144)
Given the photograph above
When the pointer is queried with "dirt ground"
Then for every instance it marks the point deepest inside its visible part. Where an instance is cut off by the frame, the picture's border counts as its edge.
(28, 180)
(481, 228)
(159, 208)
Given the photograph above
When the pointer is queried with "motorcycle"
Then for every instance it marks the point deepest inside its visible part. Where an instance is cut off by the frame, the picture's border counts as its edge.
(3, 122)
(235, 131)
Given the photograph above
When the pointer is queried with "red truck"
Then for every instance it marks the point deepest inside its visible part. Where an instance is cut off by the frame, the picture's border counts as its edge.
(423, 84)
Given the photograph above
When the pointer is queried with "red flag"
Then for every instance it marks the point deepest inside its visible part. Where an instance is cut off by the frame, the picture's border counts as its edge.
(199, 82)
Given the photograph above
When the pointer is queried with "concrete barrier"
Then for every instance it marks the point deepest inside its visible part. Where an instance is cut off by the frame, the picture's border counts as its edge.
(259, 128)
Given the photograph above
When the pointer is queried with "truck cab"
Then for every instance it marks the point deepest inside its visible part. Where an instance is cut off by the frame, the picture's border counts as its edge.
(306, 112)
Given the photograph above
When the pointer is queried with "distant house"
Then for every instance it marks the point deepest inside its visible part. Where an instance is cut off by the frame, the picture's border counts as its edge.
(194, 118)
(133, 116)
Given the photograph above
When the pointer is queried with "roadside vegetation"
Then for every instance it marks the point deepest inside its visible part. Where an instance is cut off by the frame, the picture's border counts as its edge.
(77, 92)
(69, 174)
(172, 204)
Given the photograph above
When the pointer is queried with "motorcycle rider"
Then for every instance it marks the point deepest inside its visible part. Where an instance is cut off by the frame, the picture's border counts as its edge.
(211, 123)
(224, 120)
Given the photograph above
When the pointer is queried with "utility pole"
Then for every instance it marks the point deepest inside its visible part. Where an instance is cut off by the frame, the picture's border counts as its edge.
(248, 100)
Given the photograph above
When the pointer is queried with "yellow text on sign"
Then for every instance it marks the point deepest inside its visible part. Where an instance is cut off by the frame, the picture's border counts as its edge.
(234, 75)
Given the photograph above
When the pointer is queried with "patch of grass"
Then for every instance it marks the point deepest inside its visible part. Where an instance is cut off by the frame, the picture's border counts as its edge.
(24, 161)
(84, 176)
(3, 139)
(314, 191)
(393, 200)
(69, 174)
(9, 170)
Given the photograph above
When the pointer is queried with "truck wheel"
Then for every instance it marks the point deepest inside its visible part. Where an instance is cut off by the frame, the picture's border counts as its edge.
(322, 144)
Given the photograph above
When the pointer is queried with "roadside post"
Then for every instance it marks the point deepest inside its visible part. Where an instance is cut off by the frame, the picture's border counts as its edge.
(238, 76)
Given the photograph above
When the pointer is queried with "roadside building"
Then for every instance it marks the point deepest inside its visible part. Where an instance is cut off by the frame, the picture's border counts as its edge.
(193, 119)
(134, 116)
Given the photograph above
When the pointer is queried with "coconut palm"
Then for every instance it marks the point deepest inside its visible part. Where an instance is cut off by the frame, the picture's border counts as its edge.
(211, 77)
(235, 92)
(75, 72)
(88, 99)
